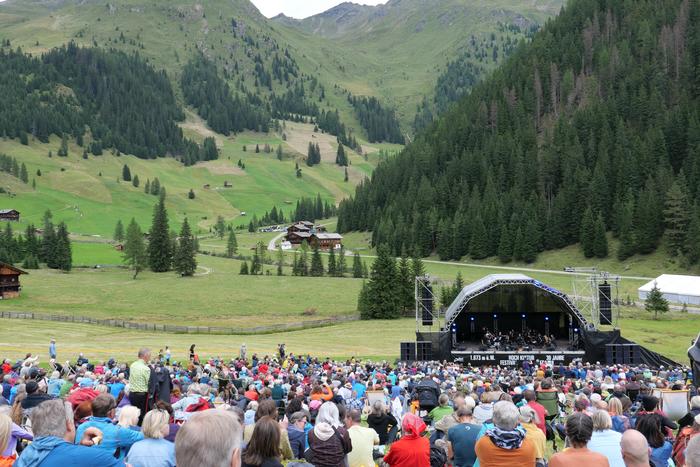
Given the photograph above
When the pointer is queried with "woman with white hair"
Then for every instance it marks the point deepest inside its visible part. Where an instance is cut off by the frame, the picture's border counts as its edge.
(529, 420)
(153, 450)
(506, 442)
(129, 417)
(605, 440)
(329, 441)
(195, 392)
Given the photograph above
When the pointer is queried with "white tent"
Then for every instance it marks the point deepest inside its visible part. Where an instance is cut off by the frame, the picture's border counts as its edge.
(675, 288)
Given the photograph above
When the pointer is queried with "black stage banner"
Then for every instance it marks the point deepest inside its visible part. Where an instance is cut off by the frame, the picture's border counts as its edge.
(514, 358)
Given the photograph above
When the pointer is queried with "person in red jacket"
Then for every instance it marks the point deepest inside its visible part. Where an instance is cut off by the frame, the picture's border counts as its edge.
(412, 449)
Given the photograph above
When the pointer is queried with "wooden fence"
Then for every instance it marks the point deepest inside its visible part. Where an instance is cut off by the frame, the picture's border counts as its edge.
(120, 323)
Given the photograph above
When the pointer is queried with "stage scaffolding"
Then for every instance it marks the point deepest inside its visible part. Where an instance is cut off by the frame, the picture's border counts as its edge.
(426, 298)
(586, 284)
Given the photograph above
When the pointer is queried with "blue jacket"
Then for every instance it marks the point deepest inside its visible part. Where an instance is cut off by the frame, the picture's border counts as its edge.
(115, 436)
(50, 451)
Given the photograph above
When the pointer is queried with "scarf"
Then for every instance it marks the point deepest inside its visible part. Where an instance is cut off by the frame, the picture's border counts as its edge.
(36, 452)
(412, 426)
(506, 439)
(323, 431)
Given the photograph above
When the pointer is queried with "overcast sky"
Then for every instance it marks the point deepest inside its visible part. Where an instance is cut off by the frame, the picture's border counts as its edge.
(302, 8)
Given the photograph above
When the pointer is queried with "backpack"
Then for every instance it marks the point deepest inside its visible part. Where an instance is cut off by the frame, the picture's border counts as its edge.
(438, 456)
(684, 437)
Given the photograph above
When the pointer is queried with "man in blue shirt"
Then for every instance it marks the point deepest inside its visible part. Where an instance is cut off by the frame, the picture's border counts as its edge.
(54, 434)
(52, 349)
(462, 439)
(115, 437)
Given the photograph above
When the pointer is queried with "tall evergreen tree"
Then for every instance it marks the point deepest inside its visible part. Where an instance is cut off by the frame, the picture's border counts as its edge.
(600, 241)
(383, 294)
(220, 227)
(479, 247)
(316, 262)
(244, 268)
(406, 284)
(126, 173)
(159, 246)
(134, 255)
(332, 268)
(119, 231)
(587, 236)
(303, 265)
(356, 266)
(655, 302)
(341, 158)
(692, 240)
(63, 258)
(280, 261)
(231, 244)
(185, 259)
(341, 267)
(23, 174)
(676, 217)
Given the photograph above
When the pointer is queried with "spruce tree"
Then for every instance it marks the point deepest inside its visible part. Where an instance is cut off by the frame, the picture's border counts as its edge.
(135, 181)
(332, 268)
(363, 302)
(655, 302)
(356, 266)
(279, 153)
(479, 246)
(220, 227)
(382, 287)
(231, 244)
(63, 258)
(417, 267)
(692, 240)
(341, 158)
(600, 241)
(341, 264)
(587, 236)
(280, 261)
(126, 173)
(628, 243)
(119, 231)
(23, 174)
(159, 246)
(244, 268)
(185, 259)
(676, 217)
(134, 255)
(345, 178)
(316, 262)
(63, 150)
(147, 187)
(505, 245)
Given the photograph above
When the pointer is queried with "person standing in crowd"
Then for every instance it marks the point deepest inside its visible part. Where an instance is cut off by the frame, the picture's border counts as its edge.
(153, 450)
(635, 449)
(605, 440)
(211, 438)
(505, 443)
(363, 440)
(52, 349)
(243, 352)
(462, 438)
(192, 354)
(139, 382)
(579, 430)
(168, 355)
(412, 449)
(54, 435)
(116, 439)
(263, 450)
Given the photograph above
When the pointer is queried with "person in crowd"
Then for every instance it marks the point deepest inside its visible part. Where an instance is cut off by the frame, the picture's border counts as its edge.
(16, 433)
(442, 409)
(211, 438)
(54, 435)
(384, 423)
(692, 453)
(461, 439)
(363, 440)
(412, 449)
(297, 433)
(635, 449)
(651, 425)
(650, 404)
(531, 399)
(505, 443)
(605, 440)
(329, 441)
(154, 450)
(195, 393)
(139, 380)
(52, 349)
(6, 426)
(579, 430)
(263, 450)
(528, 420)
(428, 393)
(689, 418)
(484, 411)
(268, 408)
(620, 421)
(684, 436)
(34, 397)
(115, 439)
(129, 417)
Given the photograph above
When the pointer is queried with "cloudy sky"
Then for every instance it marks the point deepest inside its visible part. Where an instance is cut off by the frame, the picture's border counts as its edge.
(302, 8)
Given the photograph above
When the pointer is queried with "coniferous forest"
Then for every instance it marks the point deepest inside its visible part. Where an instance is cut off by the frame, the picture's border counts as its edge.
(594, 124)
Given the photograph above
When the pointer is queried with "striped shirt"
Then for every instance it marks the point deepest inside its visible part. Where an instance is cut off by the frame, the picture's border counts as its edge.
(139, 375)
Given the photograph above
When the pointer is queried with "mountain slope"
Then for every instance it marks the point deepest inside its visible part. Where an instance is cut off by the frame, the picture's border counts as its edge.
(594, 126)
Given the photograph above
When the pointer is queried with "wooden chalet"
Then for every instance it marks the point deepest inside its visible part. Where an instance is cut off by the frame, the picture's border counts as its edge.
(119, 247)
(9, 281)
(296, 238)
(326, 241)
(11, 215)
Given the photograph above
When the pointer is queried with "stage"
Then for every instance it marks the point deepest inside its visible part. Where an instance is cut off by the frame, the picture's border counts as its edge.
(515, 358)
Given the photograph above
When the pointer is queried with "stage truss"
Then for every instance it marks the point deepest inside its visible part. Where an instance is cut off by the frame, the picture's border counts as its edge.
(426, 288)
(586, 284)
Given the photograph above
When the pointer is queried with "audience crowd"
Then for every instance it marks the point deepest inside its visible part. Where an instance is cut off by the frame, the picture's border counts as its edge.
(286, 409)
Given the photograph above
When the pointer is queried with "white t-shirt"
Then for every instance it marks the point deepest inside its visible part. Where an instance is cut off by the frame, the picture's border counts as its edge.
(363, 441)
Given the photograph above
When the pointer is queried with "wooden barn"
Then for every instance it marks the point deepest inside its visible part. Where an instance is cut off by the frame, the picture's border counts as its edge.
(11, 215)
(296, 238)
(9, 281)
(326, 241)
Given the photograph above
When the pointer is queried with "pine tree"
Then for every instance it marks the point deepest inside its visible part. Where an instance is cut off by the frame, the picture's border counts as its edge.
(257, 149)
(185, 258)
(587, 236)
(220, 227)
(231, 244)
(600, 241)
(280, 261)
(628, 243)
(655, 302)
(676, 217)
(135, 256)
(23, 174)
(135, 181)
(316, 262)
(356, 266)
(383, 294)
(244, 269)
(119, 231)
(63, 150)
(479, 246)
(63, 258)
(332, 270)
(345, 178)
(159, 246)
(363, 302)
(280, 154)
(155, 187)
(692, 240)
(341, 158)
(190, 194)
(147, 187)
(126, 173)
(417, 267)
(505, 245)
(341, 266)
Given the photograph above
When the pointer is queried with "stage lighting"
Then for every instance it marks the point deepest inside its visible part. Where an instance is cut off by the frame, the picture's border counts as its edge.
(495, 315)
(546, 318)
(472, 318)
(575, 329)
(523, 316)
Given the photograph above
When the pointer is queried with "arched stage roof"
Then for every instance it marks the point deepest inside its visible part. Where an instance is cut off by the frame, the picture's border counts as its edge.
(489, 282)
